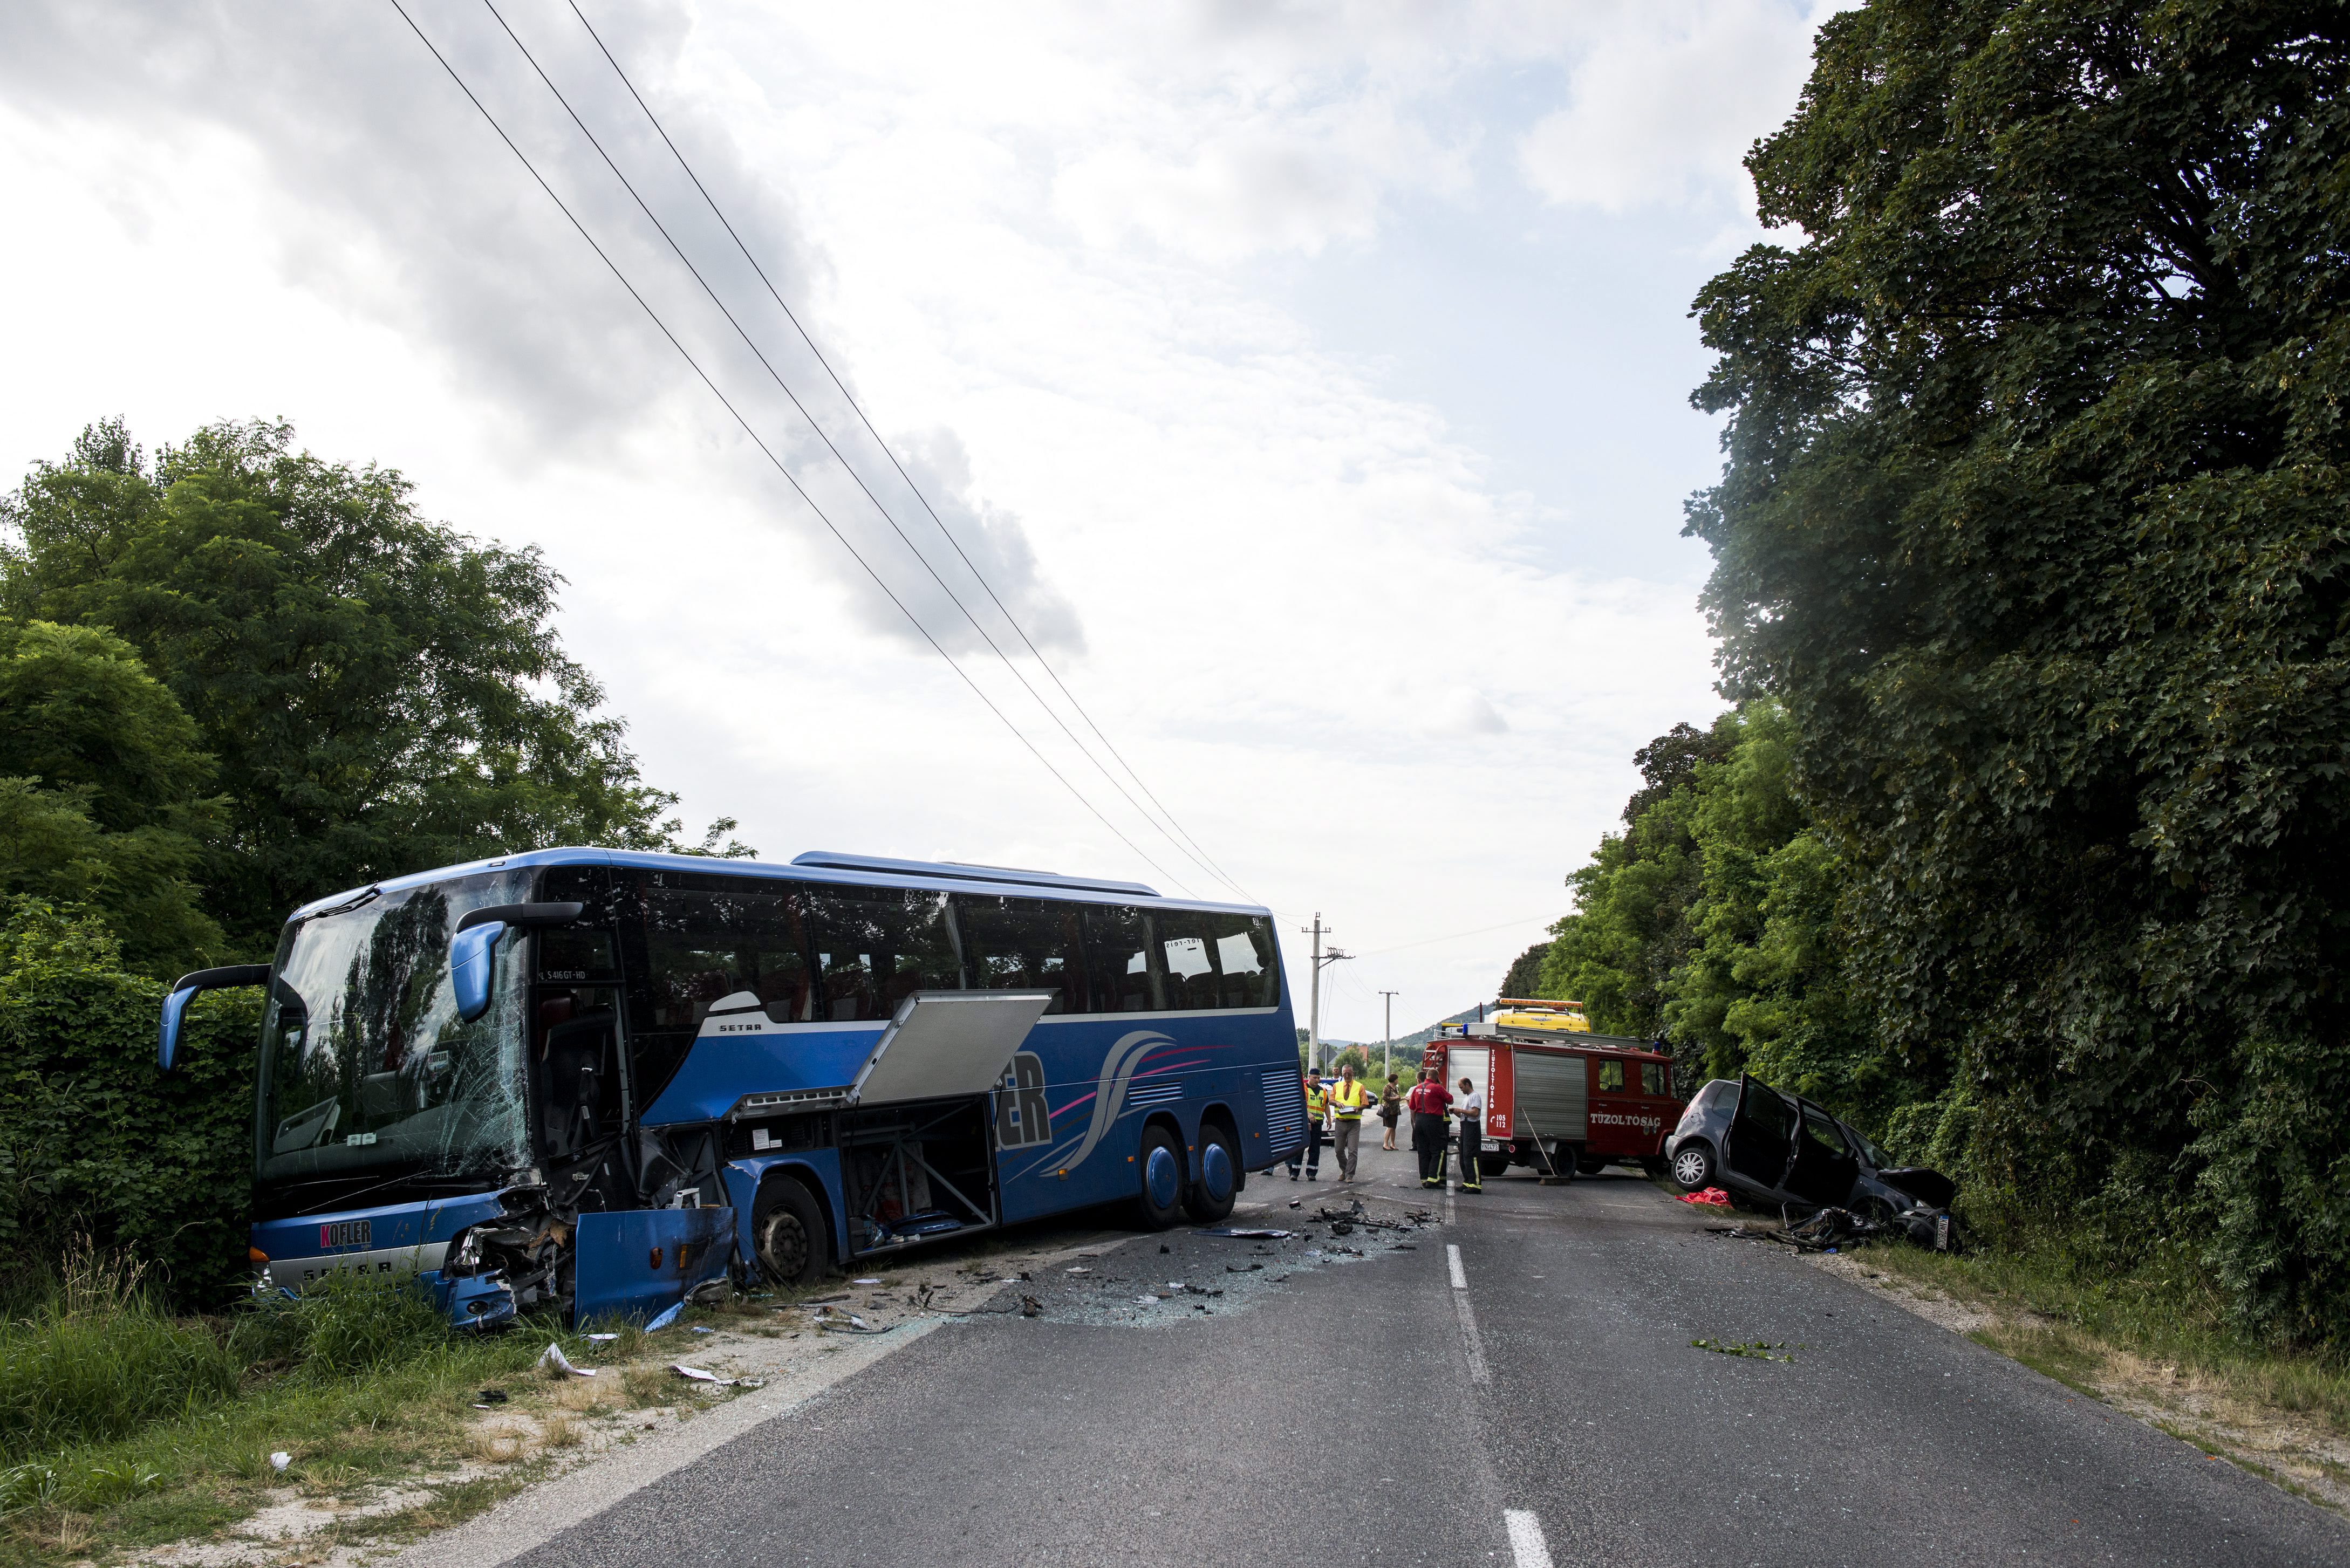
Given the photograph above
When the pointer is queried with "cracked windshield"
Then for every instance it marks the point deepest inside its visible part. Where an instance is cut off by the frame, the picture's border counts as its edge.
(366, 1065)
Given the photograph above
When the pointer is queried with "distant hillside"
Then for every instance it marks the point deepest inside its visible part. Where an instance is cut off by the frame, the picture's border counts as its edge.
(1407, 1046)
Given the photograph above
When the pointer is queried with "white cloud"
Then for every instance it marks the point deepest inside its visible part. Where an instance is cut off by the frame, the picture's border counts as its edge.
(1662, 109)
(1292, 596)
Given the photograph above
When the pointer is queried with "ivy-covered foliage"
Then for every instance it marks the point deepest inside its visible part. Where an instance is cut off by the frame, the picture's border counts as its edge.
(94, 1140)
(2036, 523)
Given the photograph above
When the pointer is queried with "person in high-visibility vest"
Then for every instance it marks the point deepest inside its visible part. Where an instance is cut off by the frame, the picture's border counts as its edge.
(1347, 1097)
(1317, 1106)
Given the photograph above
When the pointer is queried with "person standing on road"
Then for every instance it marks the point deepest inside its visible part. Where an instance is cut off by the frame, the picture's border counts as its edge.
(1427, 1102)
(1390, 1107)
(1317, 1105)
(1471, 1111)
(1348, 1098)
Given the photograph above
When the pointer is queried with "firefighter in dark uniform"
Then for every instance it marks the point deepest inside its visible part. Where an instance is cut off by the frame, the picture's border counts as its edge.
(1428, 1103)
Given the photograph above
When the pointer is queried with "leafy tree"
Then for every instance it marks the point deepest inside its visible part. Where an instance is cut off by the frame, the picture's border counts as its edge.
(101, 779)
(1524, 978)
(1630, 926)
(380, 693)
(1671, 760)
(2034, 519)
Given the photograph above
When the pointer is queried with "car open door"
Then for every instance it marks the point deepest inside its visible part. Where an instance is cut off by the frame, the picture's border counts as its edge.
(1825, 1164)
(1760, 1136)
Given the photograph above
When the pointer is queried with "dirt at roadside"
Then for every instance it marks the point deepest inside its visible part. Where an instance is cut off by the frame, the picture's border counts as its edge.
(2296, 1453)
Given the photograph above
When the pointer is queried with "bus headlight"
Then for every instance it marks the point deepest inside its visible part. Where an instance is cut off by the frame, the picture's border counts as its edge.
(466, 1255)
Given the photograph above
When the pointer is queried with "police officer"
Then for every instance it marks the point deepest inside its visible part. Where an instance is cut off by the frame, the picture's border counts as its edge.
(1427, 1102)
(1318, 1103)
(1471, 1111)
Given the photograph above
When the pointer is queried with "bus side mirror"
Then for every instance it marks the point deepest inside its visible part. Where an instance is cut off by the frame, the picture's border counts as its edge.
(175, 1008)
(472, 963)
(472, 952)
(191, 986)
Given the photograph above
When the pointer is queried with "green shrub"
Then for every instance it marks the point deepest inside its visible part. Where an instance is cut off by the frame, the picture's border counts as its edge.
(94, 1139)
(99, 1360)
(340, 1327)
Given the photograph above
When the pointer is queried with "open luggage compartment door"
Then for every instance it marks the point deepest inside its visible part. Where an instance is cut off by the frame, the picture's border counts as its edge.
(942, 1043)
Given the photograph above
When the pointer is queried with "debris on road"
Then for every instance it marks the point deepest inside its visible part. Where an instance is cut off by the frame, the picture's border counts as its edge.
(1833, 1230)
(1243, 1232)
(1752, 1349)
(698, 1375)
(555, 1363)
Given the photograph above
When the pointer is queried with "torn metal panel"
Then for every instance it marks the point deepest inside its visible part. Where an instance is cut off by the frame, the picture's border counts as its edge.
(636, 1264)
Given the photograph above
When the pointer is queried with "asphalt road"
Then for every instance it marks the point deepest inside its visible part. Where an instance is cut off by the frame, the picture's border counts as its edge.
(1542, 1404)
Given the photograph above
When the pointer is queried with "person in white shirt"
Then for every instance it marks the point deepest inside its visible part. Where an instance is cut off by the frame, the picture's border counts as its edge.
(1471, 1107)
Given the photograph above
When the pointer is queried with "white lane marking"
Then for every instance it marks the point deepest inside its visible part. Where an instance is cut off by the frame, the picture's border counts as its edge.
(1478, 1371)
(1527, 1542)
(1448, 1205)
(1453, 1262)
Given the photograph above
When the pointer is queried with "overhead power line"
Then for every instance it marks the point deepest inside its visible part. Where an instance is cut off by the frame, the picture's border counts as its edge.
(1180, 835)
(766, 451)
(785, 387)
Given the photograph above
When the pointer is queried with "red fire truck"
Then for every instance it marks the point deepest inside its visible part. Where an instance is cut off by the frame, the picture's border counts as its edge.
(1561, 1102)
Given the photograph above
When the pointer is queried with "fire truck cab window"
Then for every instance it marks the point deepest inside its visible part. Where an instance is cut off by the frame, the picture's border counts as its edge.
(1652, 1077)
(1611, 1076)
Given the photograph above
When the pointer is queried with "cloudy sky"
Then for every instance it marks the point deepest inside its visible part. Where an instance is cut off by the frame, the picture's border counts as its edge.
(1307, 382)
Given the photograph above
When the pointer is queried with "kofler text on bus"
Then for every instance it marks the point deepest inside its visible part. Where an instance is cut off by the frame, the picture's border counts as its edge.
(593, 1081)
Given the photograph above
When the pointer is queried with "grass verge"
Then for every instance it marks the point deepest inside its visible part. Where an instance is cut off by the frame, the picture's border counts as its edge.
(2153, 1340)
(122, 1430)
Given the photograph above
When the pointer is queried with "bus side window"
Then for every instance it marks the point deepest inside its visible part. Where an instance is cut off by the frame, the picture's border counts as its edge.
(1016, 944)
(1186, 943)
(1119, 957)
(1244, 953)
(1611, 1077)
(703, 946)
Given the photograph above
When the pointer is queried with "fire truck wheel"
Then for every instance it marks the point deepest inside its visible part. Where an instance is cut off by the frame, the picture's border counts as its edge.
(790, 1233)
(1210, 1198)
(1159, 1167)
(1494, 1162)
(1653, 1166)
(1693, 1164)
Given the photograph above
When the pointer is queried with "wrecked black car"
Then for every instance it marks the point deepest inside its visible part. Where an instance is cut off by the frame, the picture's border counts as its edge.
(1775, 1149)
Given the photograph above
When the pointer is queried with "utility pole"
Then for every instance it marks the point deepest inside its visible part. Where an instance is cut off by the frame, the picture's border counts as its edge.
(1386, 1048)
(1313, 1015)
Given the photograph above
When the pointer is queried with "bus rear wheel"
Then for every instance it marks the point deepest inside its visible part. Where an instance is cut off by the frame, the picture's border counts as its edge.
(789, 1231)
(1159, 1169)
(1210, 1198)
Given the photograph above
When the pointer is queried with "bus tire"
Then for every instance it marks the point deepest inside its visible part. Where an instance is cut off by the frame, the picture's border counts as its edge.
(794, 1243)
(1212, 1194)
(1159, 1184)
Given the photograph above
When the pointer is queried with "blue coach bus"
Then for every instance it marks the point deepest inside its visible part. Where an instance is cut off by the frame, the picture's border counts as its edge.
(595, 1080)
